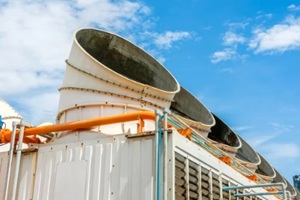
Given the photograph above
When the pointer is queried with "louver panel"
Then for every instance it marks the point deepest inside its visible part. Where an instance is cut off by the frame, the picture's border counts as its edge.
(193, 181)
(180, 180)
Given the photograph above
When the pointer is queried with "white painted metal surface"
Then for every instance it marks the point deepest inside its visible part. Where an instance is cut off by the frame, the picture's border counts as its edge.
(110, 167)
(88, 81)
(26, 175)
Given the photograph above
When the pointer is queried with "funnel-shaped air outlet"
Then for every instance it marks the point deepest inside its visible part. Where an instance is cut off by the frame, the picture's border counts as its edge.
(107, 75)
(265, 170)
(247, 156)
(224, 137)
(189, 109)
(279, 179)
(290, 188)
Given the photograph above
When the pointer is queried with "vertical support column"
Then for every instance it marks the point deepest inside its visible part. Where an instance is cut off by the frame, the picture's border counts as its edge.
(11, 152)
(210, 185)
(157, 162)
(221, 186)
(18, 161)
(165, 165)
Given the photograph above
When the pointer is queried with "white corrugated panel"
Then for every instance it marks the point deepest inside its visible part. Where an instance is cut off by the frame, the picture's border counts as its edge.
(26, 175)
(111, 168)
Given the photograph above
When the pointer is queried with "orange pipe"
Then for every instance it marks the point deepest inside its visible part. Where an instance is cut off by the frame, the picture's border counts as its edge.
(82, 124)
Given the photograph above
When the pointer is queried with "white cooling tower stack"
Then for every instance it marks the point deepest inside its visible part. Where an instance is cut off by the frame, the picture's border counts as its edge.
(265, 170)
(108, 75)
(224, 137)
(190, 110)
(247, 156)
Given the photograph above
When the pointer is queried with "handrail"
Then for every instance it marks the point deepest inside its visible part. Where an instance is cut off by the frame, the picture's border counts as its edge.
(283, 192)
(5, 134)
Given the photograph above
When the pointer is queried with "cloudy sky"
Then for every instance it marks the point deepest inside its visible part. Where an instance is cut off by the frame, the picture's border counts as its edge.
(240, 58)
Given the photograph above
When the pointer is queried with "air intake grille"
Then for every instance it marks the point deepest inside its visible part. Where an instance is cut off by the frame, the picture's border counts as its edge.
(205, 183)
(216, 186)
(225, 183)
(180, 180)
(194, 181)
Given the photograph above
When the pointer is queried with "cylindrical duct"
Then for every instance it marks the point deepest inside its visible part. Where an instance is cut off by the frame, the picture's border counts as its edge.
(190, 110)
(224, 137)
(265, 170)
(290, 188)
(247, 156)
(108, 75)
(279, 179)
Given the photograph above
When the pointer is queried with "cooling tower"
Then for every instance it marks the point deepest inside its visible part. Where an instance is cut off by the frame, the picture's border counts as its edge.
(108, 75)
(290, 188)
(8, 114)
(280, 179)
(247, 156)
(190, 110)
(224, 137)
(265, 170)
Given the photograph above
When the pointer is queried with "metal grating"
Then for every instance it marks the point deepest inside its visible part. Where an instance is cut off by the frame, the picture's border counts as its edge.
(225, 183)
(180, 180)
(193, 181)
(205, 186)
(216, 187)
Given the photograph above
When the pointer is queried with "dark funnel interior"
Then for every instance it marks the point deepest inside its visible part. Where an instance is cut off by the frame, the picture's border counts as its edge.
(126, 59)
(221, 133)
(186, 105)
(246, 153)
(264, 168)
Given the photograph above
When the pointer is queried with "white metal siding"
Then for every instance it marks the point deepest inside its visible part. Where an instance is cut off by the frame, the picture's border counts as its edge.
(26, 175)
(116, 168)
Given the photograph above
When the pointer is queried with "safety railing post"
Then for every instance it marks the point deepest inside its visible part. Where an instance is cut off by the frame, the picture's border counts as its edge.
(9, 164)
(18, 160)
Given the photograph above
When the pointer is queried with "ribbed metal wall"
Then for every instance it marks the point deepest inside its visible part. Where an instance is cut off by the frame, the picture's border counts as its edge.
(121, 168)
(26, 175)
(109, 169)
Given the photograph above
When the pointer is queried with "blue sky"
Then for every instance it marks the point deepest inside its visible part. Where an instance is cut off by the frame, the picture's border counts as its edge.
(240, 58)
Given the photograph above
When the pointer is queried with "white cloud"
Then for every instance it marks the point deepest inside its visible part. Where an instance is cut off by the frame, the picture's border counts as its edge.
(240, 128)
(280, 128)
(277, 151)
(36, 37)
(40, 113)
(226, 54)
(278, 38)
(165, 40)
(293, 7)
(238, 25)
(226, 70)
(230, 38)
(262, 139)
